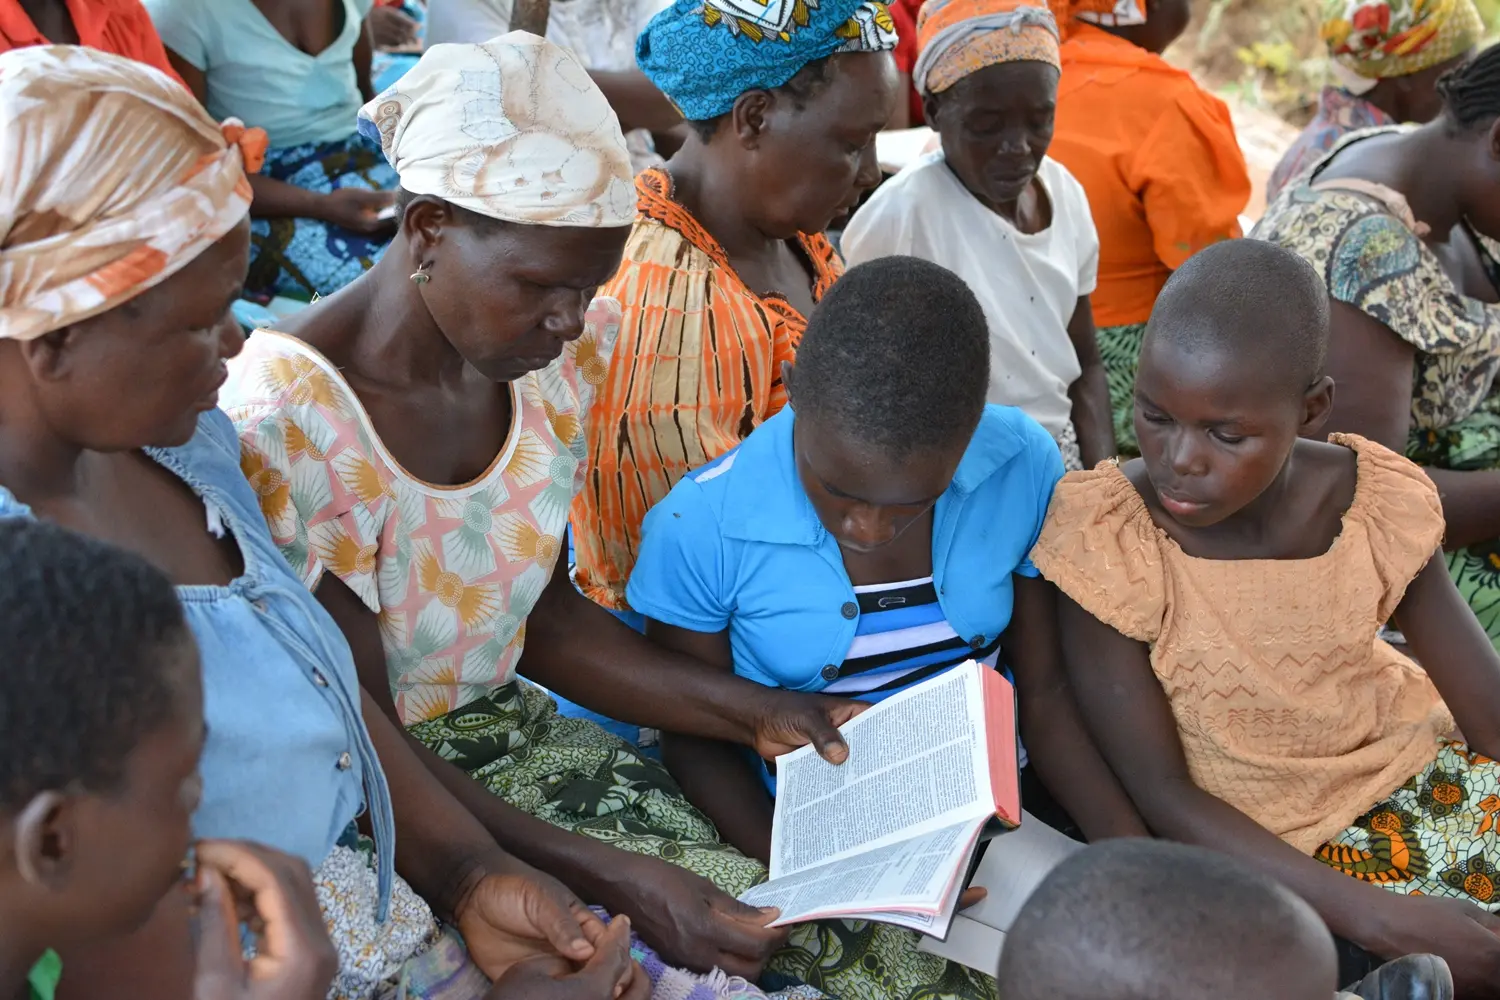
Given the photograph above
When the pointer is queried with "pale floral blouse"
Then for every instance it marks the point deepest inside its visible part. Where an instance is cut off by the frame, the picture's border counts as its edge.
(452, 571)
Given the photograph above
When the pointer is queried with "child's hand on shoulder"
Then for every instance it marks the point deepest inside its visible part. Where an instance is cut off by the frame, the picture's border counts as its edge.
(272, 894)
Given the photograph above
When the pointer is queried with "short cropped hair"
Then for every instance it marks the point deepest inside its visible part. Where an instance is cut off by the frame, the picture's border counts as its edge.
(84, 627)
(1154, 920)
(896, 356)
(1265, 304)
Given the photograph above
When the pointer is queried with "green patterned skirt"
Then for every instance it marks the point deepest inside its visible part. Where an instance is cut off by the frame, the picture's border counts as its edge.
(574, 775)
(1120, 350)
(1436, 835)
(1469, 445)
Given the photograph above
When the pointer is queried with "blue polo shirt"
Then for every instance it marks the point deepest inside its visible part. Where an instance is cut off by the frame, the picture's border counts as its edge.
(737, 545)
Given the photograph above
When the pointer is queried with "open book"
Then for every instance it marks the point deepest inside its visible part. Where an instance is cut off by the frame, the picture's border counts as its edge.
(1011, 869)
(888, 835)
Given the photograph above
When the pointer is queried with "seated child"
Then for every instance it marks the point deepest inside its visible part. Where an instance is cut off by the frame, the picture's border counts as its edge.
(869, 536)
(1222, 598)
(101, 710)
(1149, 920)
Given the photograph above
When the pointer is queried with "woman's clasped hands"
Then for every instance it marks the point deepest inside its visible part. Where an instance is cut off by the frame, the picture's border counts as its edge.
(533, 936)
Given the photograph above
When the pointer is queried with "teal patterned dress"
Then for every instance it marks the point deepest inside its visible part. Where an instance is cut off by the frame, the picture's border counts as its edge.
(1365, 242)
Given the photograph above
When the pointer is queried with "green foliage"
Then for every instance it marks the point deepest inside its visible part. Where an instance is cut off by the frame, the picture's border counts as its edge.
(1276, 58)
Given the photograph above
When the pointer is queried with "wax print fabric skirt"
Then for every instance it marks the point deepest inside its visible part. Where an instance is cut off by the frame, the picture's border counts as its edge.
(1472, 443)
(576, 776)
(1120, 350)
(306, 258)
(1437, 835)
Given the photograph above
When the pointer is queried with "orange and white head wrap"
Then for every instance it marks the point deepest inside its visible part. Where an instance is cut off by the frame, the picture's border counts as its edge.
(112, 179)
(956, 38)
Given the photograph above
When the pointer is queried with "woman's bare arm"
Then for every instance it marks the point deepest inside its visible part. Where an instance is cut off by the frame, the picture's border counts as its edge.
(717, 777)
(1448, 641)
(1372, 374)
(1091, 416)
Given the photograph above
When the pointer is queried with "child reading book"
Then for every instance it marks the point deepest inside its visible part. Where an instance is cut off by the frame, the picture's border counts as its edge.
(1223, 595)
(1138, 919)
(870, 536)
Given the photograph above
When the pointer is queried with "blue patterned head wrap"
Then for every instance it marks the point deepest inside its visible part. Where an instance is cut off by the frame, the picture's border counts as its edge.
(703, 54)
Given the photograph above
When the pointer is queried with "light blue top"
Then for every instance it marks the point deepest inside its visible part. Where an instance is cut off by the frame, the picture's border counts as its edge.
(288, 761)
(256, 75)
(737, 545)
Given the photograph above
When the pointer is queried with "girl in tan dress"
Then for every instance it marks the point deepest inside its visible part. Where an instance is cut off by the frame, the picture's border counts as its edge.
(1223, 595)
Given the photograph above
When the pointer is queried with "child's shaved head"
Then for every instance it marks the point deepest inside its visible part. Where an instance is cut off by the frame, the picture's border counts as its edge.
(1257, 302)
(1152, 920)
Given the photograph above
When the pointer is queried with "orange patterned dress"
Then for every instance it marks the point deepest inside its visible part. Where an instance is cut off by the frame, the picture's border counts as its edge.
(696, 369)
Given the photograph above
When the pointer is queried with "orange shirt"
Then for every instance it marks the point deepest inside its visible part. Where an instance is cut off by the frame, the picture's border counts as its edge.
(697, 367)
(1158, 157)
(119, 26)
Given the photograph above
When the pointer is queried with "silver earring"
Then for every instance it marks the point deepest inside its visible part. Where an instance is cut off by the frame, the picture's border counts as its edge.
(420, 276)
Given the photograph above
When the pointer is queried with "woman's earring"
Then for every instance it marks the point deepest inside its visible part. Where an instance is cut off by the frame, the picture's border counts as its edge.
(420, 276)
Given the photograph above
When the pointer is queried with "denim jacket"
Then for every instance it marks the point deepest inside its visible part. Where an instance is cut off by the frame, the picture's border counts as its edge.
(288, 762)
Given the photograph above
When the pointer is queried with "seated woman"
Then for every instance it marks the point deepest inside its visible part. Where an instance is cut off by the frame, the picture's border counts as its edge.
(416, 440)
(891, 497)
(119, 26)
(300, 71)
(120, 265)
(1158, 157)
(993, 208)
(1401, 225)
(1387, 58)
(727, 256)
(1223, 595)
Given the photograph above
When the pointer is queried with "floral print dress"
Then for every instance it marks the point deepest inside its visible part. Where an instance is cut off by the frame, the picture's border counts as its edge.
(453, 571)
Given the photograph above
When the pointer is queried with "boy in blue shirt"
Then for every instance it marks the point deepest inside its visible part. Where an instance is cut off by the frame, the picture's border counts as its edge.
(871, 535)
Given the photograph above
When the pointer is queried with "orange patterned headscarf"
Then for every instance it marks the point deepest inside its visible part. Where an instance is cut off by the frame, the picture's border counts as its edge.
(1105, 13)
(958, 37)
(112, 179)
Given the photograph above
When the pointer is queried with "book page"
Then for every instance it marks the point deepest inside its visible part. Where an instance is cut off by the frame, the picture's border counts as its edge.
(1014, 864)
(917, 763)
(918, 877)
(968, 942)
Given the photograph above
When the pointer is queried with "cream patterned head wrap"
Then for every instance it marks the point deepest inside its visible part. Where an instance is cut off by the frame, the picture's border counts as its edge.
(513, 129)
(112, 179)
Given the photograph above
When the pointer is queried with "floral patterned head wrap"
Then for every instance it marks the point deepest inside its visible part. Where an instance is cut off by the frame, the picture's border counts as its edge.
(960, 37)
(112, 179)
(703, 54)
(1371, 40)
(512, 129)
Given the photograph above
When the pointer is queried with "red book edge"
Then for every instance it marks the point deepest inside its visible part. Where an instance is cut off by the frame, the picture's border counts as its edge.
(1000, 736)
